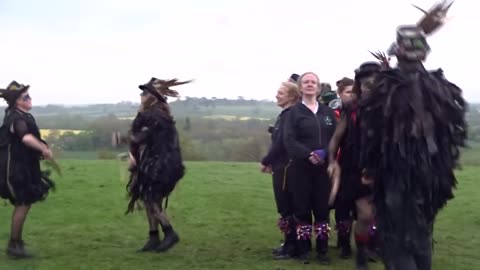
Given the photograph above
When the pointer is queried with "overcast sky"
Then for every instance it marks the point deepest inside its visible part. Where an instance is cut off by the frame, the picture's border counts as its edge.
(86, 51)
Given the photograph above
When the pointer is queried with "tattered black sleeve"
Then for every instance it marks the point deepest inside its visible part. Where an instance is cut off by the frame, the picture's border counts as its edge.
(20, 128)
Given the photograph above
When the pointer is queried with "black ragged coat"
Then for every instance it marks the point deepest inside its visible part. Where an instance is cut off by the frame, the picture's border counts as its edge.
(412, 125)
(156, 149)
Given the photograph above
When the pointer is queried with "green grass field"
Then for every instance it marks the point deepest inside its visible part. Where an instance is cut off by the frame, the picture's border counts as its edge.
(224, 213)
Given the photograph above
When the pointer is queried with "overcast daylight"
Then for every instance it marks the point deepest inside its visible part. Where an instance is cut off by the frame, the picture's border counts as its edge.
(255, 163)
(81, 52)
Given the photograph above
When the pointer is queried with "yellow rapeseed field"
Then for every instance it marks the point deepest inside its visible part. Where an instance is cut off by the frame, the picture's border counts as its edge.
(46, 132)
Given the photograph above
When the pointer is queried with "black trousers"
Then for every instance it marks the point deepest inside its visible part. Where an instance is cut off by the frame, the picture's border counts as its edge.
(310, 187)
(351, 189)
(281, 189)
(397, 257)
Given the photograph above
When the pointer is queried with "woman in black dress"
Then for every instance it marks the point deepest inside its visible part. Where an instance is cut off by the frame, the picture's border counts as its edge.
(21, 149)
(156, 163)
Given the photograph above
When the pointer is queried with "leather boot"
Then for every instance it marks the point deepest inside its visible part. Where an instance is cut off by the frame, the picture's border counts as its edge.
(170, 240)
(303, 242)
(283, 225)
(152, 243)
(288, 248)
(322, 231)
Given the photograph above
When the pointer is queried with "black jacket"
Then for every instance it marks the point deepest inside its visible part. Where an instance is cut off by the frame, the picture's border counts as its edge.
(277, 155)
(305, 131)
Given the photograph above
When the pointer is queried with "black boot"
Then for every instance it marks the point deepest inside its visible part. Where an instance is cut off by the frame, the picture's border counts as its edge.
(323, 234)
(344, 232)
(303, 243)
(152, 243)
(278, 250)
(284, 226)
(361, 260)
(288, 248)
(170, 240)
(16, 250)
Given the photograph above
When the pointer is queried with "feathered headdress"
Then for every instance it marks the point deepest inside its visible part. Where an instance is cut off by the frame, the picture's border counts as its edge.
(434, 19)
(161, 88)
(411, 41)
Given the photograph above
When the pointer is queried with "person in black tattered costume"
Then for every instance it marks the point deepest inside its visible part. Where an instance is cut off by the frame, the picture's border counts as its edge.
(21, 149)
(412, 127)
(155, 160)
(353, 195)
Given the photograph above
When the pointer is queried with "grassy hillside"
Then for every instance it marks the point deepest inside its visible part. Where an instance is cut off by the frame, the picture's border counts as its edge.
(224, 213)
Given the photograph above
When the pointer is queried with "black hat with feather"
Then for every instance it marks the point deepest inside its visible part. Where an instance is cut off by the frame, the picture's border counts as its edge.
(367, 69)
(13, 91)
(161, 88)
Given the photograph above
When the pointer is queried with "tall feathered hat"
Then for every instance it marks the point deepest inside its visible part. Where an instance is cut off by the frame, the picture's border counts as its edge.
(161, 88)
(13, 91)
(411, 43)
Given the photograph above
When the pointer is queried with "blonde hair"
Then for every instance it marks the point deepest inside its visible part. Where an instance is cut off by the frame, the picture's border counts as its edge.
(293, 91)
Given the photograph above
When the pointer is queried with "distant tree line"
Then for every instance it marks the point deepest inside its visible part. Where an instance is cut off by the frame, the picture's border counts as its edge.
(210, 129)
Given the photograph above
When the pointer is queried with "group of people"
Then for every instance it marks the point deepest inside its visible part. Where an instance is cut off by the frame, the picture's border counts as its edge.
(383, 154)
(305, 135)
(155, 162)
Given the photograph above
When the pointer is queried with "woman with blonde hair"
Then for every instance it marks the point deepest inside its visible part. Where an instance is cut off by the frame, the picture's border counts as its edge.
(277, 162)
(308, 127)
(156, 163)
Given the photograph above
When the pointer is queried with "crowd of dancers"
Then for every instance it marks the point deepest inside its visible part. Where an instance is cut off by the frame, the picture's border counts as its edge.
(380, 152)
(310, 126)
(383, 155)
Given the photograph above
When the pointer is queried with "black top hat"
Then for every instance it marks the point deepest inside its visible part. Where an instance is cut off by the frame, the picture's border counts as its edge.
(366, 69)
(13, 91)
(294, 77)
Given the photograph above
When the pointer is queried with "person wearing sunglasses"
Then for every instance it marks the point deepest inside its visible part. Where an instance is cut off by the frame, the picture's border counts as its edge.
(21, 149)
